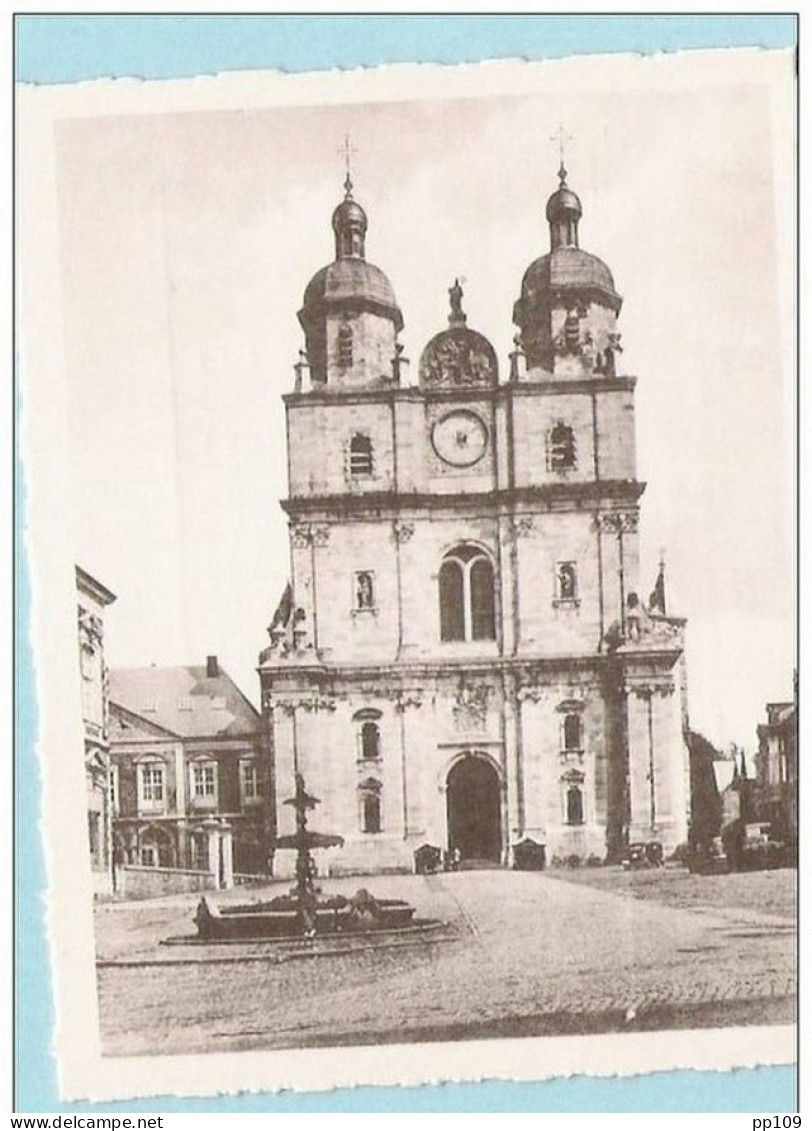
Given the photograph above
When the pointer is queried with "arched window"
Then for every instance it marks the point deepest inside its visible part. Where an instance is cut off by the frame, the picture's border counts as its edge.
(452, 599)
(368, 734)
(575, 805)
(345, 345)
(369, 798)
(360, 455)
(155, 848)
(572, 732)
(560, 447)
(370, 742)
(466, 589)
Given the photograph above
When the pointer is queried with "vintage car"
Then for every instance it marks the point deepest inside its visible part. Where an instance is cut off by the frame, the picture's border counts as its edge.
(643, 854)
(710, 859)
(759, 849)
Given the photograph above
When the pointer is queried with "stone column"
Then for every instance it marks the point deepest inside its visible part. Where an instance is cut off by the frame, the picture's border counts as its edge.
(640, 739)
(213, 837)
(227, 857)
(670, 757)
(513, 765)
(284, 746)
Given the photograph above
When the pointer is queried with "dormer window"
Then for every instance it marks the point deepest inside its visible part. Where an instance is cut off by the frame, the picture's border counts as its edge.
(561, 448)
(360, 455)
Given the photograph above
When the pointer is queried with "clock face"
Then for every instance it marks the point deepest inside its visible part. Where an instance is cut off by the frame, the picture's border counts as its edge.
(460, 438)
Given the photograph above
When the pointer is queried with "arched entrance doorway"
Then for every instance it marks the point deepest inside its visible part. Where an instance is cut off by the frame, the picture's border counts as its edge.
(473, 803)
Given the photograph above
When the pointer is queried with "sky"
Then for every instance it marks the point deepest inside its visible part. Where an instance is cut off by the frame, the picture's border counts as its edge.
(186, 241)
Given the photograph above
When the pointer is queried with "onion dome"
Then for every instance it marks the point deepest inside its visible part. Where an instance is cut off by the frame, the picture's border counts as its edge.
(349, 313)
(350, 282)
(566, 273)
(458, 356)
(568, 269)
(353, 284)
(349, 225)
(563, 212)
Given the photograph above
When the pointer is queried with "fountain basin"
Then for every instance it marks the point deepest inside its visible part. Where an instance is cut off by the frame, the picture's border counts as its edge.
(282, 917)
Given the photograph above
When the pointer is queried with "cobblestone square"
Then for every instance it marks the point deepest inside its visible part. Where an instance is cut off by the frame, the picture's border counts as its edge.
(519, 954)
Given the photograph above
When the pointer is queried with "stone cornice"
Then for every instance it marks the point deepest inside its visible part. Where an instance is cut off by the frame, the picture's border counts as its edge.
(388, 393)
(321, 675)
(549, 496)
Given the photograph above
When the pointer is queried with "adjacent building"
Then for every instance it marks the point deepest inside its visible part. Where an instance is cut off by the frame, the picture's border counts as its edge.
(776, 786)
(462, 656)
(92, 600)
(190, 782)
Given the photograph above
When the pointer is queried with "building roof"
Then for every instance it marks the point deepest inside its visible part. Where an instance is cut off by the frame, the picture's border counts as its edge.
(351, 281)
(185, 701)
(569, 268)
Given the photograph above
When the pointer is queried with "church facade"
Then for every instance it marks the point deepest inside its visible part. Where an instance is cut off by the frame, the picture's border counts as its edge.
(462, 657)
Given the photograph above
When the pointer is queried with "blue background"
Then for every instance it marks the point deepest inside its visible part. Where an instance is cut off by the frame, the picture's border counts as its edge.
(59, 49)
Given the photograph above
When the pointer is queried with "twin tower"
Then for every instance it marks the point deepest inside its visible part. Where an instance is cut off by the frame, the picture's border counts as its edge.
(566, 313)
(462, 657)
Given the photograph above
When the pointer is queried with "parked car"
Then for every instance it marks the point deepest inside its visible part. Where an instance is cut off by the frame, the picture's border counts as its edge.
(710, 859)
(427, 859)
(643, 854)
(760, 849)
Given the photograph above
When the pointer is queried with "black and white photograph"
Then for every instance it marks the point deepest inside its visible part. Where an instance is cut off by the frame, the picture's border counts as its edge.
(411, 465)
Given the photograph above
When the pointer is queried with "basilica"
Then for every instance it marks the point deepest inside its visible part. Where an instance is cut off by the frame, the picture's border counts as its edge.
(463, 656)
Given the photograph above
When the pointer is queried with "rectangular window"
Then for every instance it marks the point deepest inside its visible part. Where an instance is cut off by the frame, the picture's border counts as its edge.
(249, 783)
(204, 781)
(148, 856)
(151, 780)
(112, 789)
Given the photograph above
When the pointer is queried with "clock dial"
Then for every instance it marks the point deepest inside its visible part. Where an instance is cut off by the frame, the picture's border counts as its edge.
(460, 438)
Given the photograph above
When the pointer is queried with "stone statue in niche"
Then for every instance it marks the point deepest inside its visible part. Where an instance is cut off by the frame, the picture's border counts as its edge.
(566, 581)
(364, 591)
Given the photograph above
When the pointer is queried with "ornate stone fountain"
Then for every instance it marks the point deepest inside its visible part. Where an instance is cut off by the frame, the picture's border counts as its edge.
(303, 913)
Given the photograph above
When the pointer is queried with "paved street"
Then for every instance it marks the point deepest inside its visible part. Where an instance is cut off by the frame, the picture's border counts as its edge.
(521, 954)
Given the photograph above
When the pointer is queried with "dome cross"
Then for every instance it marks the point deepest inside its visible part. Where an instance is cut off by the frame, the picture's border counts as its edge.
(561, 136)
(348, 150)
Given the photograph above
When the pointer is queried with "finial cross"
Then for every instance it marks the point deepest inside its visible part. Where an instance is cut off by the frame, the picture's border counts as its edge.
(348, 150)
(561, 136)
